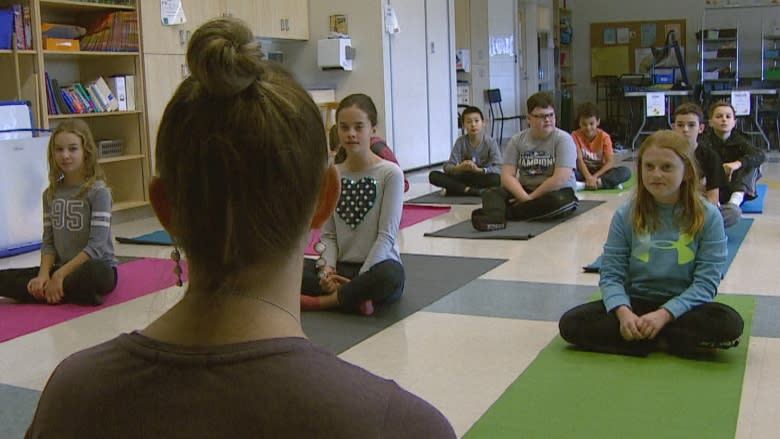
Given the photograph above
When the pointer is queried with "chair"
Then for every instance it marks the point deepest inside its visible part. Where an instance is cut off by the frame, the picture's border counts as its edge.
(496, 114)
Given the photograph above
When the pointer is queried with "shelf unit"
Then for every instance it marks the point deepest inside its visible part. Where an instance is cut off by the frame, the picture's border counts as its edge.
(770, 57)
(719, 56)
(127, 175)
(719, 52)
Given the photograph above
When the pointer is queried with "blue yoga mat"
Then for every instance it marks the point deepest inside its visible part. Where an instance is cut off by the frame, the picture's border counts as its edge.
(160, 237)
(735, 234)
(756, 205)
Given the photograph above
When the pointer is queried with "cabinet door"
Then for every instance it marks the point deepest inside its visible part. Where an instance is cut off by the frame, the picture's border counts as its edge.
(248, 10)
(160, 38)
(167, 72)
(287, 19)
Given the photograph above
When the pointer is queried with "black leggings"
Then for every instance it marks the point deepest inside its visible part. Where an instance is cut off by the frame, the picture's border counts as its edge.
(745, 180)
(382, 283)
(554, 204)
(591, 327)
(85, 286)
(611, 178)
(456, 184)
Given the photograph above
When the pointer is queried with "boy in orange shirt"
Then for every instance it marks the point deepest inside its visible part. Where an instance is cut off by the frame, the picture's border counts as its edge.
(595, 162)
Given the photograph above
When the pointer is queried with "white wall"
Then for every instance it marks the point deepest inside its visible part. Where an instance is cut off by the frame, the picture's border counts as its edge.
(364, 18)
(585, 12)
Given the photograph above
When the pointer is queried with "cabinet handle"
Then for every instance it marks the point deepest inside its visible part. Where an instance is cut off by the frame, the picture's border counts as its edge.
(182, 38)
(189, 34)
(287, 24)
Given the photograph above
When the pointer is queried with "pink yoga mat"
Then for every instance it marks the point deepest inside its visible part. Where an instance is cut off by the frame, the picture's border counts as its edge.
(412, 214)
(136, 279)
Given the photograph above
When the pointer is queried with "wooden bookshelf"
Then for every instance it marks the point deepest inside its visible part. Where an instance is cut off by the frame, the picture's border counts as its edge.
(127, 175)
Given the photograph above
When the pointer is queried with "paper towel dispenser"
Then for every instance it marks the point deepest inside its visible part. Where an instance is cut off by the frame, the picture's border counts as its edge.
(335, 54)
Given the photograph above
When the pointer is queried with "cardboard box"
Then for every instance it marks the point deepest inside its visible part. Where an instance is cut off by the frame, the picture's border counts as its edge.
(61, 44)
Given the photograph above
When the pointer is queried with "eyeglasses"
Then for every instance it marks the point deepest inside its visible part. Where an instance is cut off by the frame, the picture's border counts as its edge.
(543, 116)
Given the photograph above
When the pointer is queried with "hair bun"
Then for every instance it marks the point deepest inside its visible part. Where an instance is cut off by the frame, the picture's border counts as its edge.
(224, 57)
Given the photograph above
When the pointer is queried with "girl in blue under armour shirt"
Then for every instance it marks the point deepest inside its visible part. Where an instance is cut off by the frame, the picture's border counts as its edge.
(661, 266)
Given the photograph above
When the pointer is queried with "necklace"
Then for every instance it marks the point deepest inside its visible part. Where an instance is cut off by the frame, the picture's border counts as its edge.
(268, 302)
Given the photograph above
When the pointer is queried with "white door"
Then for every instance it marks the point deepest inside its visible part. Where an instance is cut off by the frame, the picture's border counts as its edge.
(503, 60)
(409, 85)
(441, 68)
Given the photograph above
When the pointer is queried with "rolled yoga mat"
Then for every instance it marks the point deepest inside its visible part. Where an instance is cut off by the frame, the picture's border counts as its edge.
(515, 230)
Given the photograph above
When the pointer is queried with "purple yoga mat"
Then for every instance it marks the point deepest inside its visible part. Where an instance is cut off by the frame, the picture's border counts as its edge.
(412, 214)
(136, 279)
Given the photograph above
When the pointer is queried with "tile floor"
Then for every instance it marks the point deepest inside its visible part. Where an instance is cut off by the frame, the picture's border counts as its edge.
(461, 353)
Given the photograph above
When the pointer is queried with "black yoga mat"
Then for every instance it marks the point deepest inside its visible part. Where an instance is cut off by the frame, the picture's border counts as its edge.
(428, 278)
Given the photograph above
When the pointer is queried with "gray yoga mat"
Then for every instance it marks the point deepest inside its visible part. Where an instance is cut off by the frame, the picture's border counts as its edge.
(17, 407)
(516, 230)
(437, 198)
(428, 278)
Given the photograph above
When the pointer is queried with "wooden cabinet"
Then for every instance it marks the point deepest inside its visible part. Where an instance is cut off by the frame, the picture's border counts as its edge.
(168, 71)
(164, 49)
(126, 174)
(161, 38)
(286, 19)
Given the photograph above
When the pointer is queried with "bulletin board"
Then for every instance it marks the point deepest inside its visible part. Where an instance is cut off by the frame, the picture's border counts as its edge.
(617, 48)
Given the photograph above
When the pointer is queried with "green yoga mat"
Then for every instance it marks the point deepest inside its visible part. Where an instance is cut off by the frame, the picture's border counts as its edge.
(566, 393)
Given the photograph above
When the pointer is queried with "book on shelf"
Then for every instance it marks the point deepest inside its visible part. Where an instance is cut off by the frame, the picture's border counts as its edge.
(50, 106)
(59, 101)
(130, 89)
(113, 32)
(68, 101)
(27, 22)
(117, 86)
(18, 26)
(77, 98)
(107, 99)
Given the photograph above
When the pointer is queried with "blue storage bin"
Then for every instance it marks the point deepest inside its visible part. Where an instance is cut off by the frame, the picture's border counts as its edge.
(663, 76)
(6, 28)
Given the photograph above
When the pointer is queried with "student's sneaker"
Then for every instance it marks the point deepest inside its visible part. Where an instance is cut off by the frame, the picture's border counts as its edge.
(619, 186)
(443, 192)
(579, 185)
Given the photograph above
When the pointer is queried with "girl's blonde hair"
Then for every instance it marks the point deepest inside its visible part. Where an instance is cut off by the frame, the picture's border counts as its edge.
(91, 169)
(690, 207)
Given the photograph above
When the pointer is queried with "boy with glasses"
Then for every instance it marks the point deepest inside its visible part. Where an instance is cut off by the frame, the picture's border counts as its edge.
(537, 177)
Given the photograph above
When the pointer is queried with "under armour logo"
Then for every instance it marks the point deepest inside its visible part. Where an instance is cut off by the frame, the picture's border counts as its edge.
(684, 254)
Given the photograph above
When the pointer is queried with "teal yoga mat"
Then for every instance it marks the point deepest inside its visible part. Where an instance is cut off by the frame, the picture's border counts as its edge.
(735, 234)
(566, 393)
(756, 205)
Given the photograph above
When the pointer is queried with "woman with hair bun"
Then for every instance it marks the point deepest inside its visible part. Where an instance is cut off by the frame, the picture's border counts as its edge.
(243, 177)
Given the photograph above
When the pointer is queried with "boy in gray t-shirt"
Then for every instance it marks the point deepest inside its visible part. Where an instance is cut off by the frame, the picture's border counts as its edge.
(537, 178)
